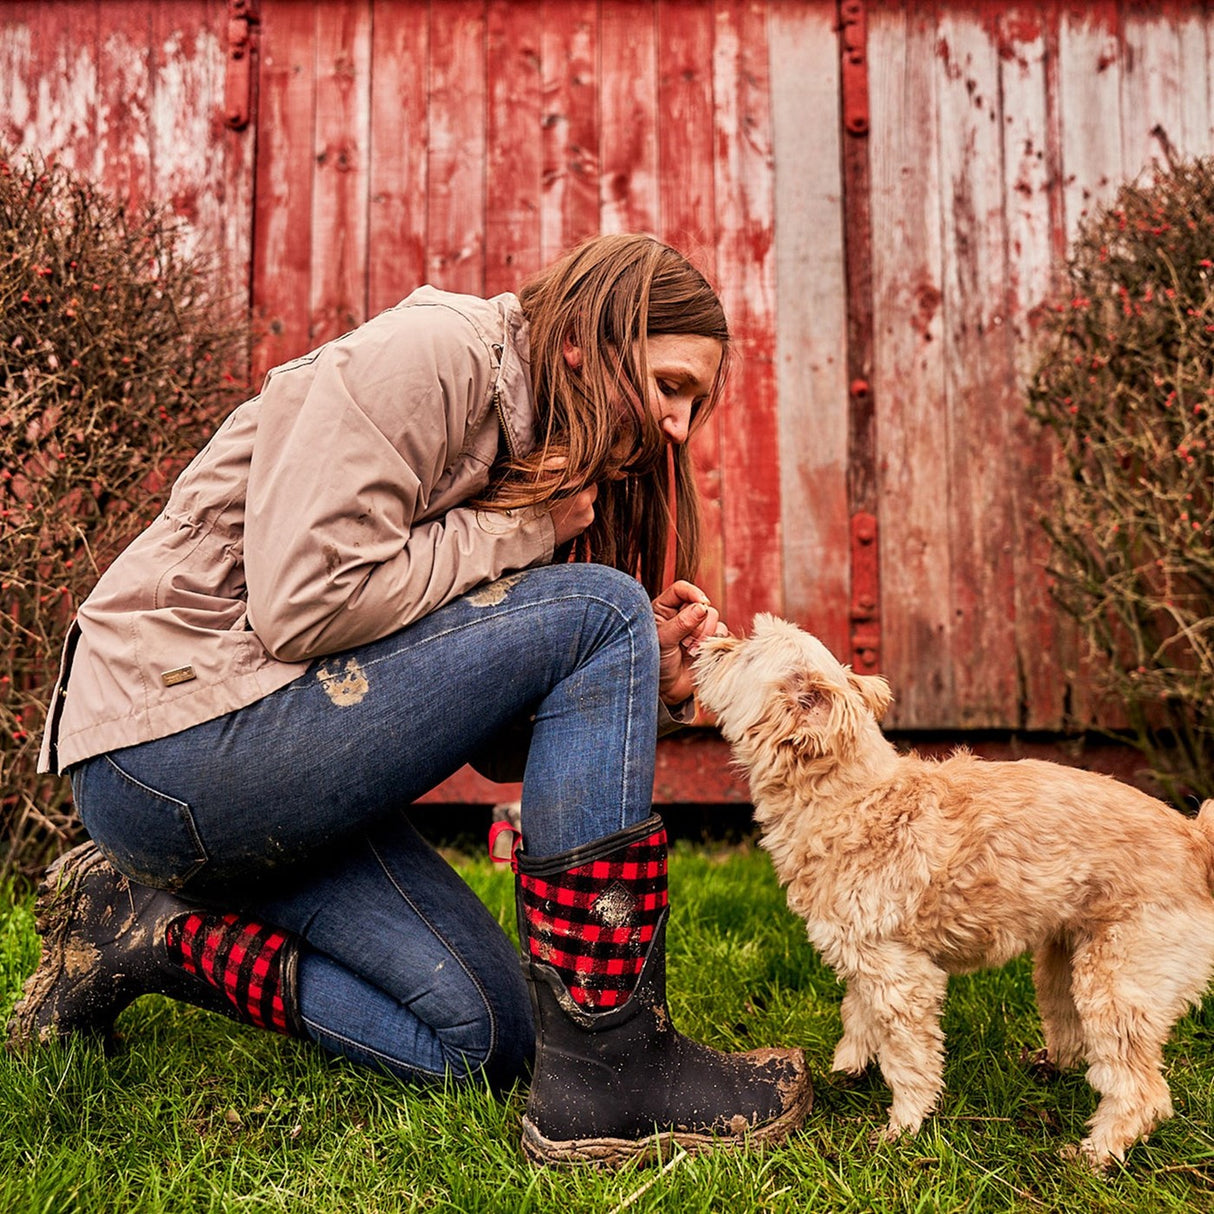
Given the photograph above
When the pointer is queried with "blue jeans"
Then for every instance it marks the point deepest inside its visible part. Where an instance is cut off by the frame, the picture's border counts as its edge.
(295, 810)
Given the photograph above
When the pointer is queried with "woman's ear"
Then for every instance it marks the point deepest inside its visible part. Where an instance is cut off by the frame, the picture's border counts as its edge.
(572, 353)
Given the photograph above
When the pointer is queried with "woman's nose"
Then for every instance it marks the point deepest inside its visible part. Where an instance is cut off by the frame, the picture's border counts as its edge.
(676, 424)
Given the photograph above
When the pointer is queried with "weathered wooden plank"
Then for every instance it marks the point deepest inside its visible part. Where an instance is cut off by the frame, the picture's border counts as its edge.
(1196, 137)
(18, 79)
(979, 376)
(1035, 243)
(569, 208)
(685, 135)
(1089, 102)
(188, 64)
(1152, 88)
(282, 256)
(750, 456)
(341, 143)
(687, 203)
(1089, 108)
(456, 217)
(202, 169)
(628, 168)
(61, 85)
(811, 317)
(514, 158)
(396, 229)
(916, 570)
(124, 99)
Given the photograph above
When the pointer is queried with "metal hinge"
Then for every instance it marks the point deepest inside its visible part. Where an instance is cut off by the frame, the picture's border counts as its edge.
(238, 89)
(853, 30)
(865, 595)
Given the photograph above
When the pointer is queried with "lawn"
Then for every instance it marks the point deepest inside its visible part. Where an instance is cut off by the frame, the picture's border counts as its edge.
(194, 1114)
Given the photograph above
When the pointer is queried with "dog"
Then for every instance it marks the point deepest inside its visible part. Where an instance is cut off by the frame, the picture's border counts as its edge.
(906, 870)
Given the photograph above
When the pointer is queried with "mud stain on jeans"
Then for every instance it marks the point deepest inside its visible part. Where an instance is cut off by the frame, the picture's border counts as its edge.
(494, 592)
(344, 687)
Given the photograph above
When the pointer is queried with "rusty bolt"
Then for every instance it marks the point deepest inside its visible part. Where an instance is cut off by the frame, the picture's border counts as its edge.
(865, 528)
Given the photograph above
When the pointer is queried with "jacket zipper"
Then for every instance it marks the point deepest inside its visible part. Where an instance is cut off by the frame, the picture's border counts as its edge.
(498, 407)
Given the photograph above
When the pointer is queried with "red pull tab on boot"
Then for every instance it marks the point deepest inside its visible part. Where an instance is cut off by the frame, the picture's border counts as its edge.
(504, 841)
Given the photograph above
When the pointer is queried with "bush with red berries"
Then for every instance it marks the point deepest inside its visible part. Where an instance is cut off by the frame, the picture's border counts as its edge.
(115, 359)
(1127, 385)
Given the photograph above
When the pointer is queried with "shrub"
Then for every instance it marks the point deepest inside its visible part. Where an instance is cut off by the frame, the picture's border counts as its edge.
(1127, 385)
(115, 357)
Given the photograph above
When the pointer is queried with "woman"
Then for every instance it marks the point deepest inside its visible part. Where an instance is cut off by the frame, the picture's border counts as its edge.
(360, 584)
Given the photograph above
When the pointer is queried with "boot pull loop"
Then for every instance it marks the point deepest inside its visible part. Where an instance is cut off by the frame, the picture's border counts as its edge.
(502, 849)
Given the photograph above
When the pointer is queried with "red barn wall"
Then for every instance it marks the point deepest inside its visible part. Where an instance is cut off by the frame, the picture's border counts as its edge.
(882, 237)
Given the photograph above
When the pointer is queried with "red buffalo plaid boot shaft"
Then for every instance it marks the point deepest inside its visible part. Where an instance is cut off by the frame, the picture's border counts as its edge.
(240, 959)
(591, 913)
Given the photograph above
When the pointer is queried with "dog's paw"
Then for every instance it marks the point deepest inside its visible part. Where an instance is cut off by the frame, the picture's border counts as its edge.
(850, 1060)
(1085, 1152)
(887, 1135)
(896, 1129)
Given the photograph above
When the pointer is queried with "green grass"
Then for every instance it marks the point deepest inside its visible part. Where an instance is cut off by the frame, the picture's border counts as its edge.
(195, 1114)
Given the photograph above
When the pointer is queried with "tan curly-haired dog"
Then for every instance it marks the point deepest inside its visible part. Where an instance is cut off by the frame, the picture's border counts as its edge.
(907, 870)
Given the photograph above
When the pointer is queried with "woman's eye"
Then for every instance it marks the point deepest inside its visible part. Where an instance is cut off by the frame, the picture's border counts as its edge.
(667, 389)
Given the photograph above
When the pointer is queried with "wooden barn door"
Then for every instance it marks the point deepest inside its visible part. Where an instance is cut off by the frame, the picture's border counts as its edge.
(466, 143)
(883, 191)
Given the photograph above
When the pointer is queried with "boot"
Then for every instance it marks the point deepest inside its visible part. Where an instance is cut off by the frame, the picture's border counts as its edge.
(106, 941)
(613, 1079)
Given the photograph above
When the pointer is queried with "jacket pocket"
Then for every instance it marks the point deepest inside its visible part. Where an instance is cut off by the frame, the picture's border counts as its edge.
(145, 834)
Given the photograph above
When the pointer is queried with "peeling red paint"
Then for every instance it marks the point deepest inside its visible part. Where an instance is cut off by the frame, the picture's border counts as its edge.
(927, 303)
(469, 142)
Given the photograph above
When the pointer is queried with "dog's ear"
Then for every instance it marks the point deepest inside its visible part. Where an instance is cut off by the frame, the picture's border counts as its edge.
(874, 691)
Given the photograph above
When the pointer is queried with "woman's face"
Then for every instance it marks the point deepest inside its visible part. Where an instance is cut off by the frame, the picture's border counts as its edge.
(682, 371)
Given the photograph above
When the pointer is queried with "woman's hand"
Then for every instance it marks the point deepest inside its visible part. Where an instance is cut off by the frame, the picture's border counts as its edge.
(684, 616)
(572, 515)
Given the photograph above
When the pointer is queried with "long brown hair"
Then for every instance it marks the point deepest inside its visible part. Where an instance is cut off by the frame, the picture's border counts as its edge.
(607, 296)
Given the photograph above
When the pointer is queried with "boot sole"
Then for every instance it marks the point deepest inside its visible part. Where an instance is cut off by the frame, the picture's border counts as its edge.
(55, 909)
(614, 1152)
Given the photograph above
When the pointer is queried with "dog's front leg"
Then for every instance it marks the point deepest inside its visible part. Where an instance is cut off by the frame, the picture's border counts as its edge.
(858, 1045)
(902, 993)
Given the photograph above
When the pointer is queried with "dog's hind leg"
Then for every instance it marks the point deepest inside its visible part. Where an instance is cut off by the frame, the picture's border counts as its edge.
(1132, 982)
(1056, 1003)
(903, 994)
(858, 1045)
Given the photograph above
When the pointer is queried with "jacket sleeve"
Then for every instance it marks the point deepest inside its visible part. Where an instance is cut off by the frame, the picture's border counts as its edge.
(350, 445)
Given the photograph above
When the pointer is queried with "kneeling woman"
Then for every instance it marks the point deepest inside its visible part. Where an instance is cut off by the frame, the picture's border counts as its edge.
(360, 584)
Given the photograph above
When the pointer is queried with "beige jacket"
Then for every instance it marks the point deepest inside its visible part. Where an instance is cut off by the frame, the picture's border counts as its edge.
(324, 513)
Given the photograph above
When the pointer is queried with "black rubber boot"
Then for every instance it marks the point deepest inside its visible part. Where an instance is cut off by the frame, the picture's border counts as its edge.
(106, 941)
(613, 1079)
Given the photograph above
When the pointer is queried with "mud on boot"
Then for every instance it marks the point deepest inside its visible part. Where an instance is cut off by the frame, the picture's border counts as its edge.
(613, 1079)
(106, 941)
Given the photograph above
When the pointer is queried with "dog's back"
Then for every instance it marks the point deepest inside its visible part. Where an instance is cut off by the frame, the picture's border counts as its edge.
(1205, 824)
